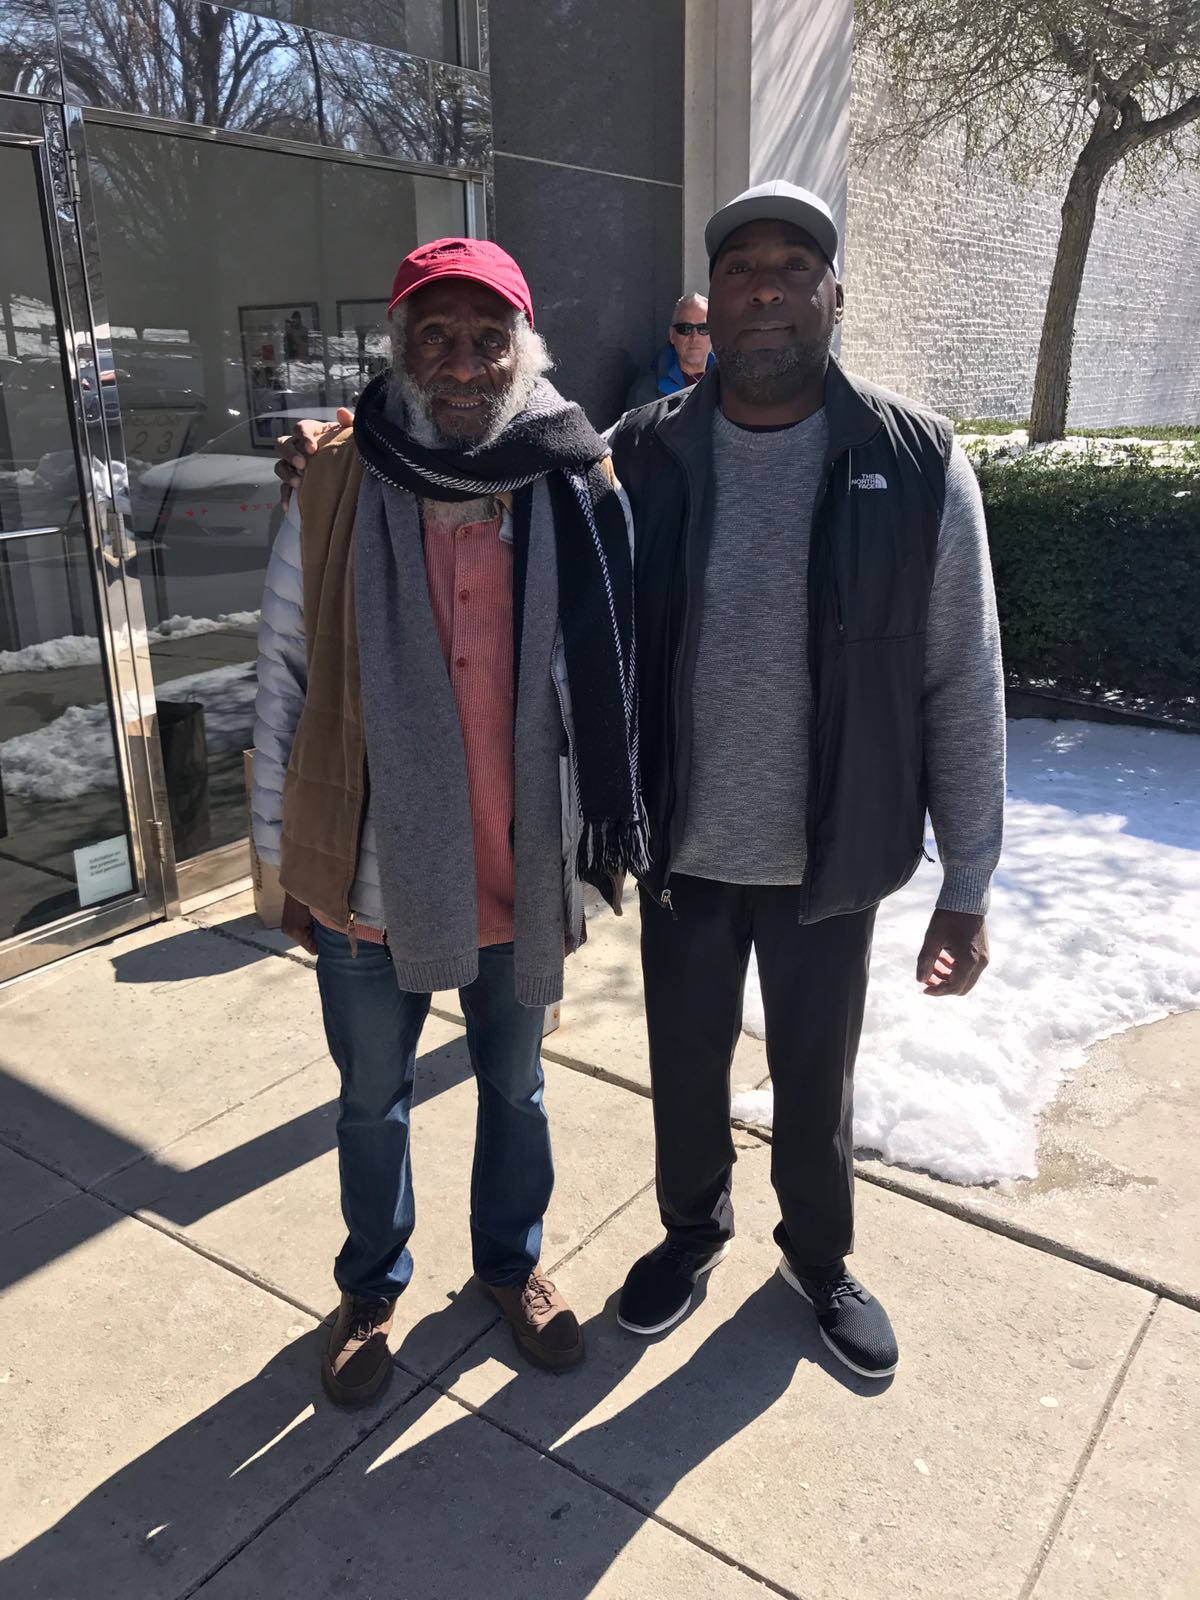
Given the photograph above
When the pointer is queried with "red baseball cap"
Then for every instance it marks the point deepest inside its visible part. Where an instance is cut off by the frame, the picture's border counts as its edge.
(477, 260)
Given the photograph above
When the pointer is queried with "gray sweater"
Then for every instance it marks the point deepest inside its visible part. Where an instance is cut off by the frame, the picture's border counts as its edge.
(751, 691)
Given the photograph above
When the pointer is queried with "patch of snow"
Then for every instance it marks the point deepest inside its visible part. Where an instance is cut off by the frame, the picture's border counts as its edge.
(191, 627)
(83, 650)
(73, 755)
(72, 650)
(988, 448)
(1093, 929)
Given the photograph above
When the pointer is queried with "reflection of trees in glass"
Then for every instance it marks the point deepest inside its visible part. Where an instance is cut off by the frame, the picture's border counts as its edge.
(422, 27)
(28, 47)
(187, 62)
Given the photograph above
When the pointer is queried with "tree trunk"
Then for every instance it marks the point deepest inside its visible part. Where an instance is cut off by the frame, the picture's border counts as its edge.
(1052, 379)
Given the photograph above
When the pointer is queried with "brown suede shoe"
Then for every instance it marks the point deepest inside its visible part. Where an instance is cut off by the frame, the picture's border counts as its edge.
(544, 1327)
(356, 1362)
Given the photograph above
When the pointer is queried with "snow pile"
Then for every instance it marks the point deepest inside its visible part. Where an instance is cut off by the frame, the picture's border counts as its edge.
(72, 650)
(986, 448)
(193, 627)
(1094, 926)
(73, 755)
(83, 650)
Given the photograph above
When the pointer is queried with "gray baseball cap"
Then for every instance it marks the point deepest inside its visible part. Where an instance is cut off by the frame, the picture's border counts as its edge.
(778, 201)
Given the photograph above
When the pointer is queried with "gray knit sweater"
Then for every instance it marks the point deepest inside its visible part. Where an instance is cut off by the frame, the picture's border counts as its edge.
(751, 691)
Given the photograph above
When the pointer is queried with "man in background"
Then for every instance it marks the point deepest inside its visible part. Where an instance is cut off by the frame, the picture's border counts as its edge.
(683, 360)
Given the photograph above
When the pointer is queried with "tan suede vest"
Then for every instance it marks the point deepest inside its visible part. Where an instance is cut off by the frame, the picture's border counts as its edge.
(325, 786)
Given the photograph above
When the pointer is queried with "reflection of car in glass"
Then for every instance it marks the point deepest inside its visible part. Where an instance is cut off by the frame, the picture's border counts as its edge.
(34, 388)
(223, 488)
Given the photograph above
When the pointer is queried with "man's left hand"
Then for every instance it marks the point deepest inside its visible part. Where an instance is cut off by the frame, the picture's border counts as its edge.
(954, 954)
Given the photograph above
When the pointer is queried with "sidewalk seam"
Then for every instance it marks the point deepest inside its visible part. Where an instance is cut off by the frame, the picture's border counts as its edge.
(250, 944)
(167, 1232)
(1042, 1243)
(623, 1499)
(238, 1105)
(1013, 1231)
(1085, 1459)
(306, 1488)
(554, 1268)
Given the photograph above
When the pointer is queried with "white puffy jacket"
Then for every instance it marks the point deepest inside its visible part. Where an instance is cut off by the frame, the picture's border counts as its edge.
(282, 684)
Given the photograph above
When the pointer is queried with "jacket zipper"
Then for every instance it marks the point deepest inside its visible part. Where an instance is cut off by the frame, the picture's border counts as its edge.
(839, 624)
(664, 898)
(568, 734)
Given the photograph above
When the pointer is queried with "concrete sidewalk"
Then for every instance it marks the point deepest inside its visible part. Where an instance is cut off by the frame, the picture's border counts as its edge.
(168, 1213)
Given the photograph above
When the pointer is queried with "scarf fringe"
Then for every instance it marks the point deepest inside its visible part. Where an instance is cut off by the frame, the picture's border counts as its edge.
(613, 847)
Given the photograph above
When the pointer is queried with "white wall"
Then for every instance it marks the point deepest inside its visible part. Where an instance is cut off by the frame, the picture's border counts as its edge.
(766, 95)
(946, 279)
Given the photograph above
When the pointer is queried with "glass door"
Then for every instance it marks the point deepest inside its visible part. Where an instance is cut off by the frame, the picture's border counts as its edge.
(244, 288)
(77, 835)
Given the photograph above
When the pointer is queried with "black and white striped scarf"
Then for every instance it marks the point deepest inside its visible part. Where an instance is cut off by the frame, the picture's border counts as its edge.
(551, 438)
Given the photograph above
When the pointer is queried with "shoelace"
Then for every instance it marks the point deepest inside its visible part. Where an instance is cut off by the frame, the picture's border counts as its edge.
(539, 1293)
(841, 1288)
(677, 1252)
(362, 1319)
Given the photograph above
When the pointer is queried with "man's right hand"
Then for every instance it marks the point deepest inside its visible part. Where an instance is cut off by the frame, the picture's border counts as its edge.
(294, 449)
(297, 924)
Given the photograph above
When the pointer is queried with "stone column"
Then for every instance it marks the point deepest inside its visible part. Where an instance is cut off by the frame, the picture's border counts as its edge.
(766, 95)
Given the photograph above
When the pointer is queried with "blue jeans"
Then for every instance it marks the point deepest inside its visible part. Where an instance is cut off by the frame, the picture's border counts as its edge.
(373, 1028)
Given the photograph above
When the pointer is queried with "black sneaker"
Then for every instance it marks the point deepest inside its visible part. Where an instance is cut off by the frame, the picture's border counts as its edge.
(659, 1288)
(852, 1322)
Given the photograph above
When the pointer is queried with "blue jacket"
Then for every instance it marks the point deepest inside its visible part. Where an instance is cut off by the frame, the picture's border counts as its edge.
(664, 376)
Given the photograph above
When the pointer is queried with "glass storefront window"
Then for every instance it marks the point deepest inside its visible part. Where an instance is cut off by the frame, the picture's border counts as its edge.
(420, 27)
(64, 842)
(245, 288)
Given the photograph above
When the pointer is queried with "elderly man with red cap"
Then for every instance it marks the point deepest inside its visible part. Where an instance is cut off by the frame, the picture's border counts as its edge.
(445, 747)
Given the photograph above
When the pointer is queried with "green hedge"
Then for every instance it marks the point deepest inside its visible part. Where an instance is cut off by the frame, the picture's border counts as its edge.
(1097, 565)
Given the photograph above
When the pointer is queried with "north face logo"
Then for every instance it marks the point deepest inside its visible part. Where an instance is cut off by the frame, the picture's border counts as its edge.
(869, 480)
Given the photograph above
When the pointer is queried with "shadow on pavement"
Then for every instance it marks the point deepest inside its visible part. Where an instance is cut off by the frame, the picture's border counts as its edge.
(439, 1513)
(199, 953)
(31, 1119)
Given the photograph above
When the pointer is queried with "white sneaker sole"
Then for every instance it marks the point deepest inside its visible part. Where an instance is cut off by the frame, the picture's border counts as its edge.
(793, 1282)
(661, 1327)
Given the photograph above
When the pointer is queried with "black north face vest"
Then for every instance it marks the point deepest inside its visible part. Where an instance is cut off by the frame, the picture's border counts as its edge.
(871, 564)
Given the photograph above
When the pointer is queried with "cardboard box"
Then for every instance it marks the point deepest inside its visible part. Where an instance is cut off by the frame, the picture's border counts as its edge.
(268, 895)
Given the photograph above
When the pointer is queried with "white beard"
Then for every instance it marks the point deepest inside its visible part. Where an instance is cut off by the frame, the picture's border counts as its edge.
(533, 361)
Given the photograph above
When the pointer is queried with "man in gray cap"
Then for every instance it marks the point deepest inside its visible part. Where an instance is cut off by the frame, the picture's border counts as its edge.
(819, 667)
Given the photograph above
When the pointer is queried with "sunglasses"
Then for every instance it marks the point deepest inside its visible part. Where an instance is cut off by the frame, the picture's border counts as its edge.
(685, 328)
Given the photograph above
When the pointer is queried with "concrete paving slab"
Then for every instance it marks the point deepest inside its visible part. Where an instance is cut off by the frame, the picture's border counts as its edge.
(1118, 1180)
(234, 917)
(740, 1428)
(26, 1190)
(157, 1410)
(603, 1025)
(603, 1017)
(259, 1187)
(438, 1505)
(126, 1047)
(1134, 1523)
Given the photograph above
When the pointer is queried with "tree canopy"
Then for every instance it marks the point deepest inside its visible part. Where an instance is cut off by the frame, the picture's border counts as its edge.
(1074, 89)
(1029, 81)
